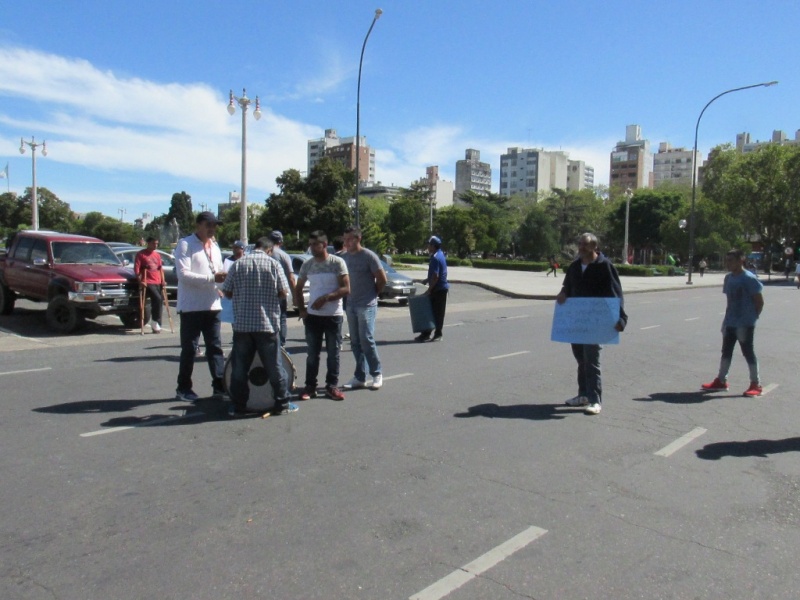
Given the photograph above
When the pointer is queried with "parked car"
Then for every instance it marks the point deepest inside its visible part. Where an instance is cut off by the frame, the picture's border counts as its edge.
(398, 286)
(128, 257)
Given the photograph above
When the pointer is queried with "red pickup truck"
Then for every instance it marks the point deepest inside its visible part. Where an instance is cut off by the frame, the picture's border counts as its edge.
(79, 277)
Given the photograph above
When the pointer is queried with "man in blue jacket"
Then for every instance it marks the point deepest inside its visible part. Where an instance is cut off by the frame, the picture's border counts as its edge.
(591, 275)
(437, 289)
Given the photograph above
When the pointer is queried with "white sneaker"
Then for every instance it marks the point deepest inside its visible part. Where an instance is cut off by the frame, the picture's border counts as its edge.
(577, 401)
(377, 382)
(355, 384)
(593, 409)
(156, 327)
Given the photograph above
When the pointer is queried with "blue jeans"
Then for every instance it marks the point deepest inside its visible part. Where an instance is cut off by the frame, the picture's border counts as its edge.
(245, 347)
(743, 335)
(590, 383)
(193, 324)
(317, 328)
(361, 321)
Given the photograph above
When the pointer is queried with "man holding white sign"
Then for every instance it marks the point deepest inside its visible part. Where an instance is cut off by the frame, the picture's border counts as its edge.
(591, 275)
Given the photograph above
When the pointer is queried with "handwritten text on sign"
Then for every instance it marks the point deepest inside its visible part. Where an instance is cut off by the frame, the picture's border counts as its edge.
(586, 321)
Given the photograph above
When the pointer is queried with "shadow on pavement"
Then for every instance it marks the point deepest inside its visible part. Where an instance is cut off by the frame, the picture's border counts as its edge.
(147, 358)
(694, 397)
(760, 448)
(101, 406)
(534, 412)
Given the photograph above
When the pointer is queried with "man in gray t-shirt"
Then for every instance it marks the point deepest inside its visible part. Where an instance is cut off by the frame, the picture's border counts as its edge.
(286, 263)
(367, 279)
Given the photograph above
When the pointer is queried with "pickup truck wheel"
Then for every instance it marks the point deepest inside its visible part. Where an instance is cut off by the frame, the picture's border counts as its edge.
(7, 299)
(131, 320)
(62, 316)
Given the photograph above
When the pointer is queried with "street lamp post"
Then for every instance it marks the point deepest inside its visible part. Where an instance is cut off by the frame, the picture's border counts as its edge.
(378, 13)
(34, 202)
(694, 168)
(122, 212)
(243, 103)
(628, 196)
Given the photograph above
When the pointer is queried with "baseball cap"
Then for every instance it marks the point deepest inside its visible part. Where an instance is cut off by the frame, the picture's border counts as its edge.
(435, 241)
(208, 216)
(238, 244)
(276, 236)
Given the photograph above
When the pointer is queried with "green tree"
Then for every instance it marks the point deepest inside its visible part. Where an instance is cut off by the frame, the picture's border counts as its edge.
(229, 231)
(180, 209)
(459, 229)
(536, 236)
(54, 213)
(408, 222)
(649, 209)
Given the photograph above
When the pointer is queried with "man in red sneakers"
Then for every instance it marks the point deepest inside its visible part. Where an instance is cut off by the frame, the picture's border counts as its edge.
(745, 303)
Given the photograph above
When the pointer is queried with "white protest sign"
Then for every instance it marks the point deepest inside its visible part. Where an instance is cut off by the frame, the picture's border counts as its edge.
(586, 321)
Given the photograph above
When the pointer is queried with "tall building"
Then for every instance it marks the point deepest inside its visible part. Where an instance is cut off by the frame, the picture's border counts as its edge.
(343, 150)
(672, 165)
(472, 175)
(441, 190)
(529, 171)
(744, 145)
(632, 162)
(580, 176)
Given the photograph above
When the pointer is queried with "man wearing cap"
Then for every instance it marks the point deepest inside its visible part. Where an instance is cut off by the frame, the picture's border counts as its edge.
(437, 289)
(238, 252)
(198, 263)
(149, 269)
(285, 261)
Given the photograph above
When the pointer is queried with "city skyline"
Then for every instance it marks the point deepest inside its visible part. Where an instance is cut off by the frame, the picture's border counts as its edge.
(134, 111)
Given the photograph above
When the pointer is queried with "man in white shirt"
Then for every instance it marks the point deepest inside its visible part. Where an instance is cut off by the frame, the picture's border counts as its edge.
(329, 283)
(198, 263)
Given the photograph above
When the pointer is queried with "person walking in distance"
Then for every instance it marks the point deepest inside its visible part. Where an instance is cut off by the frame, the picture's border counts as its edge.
(328, 284)
(745, 303)
(285, 261)
(367, 279)
(148, 267)
(591, 275)
(553, 266)
(198, 263)
(256, 284)
(437, 289)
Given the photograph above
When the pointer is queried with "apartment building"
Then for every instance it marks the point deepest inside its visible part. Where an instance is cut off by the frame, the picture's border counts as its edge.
(472, 175)
(672, 165)
(343, 150)
(631, 161)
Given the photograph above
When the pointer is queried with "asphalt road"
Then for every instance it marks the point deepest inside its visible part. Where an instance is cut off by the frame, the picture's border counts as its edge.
(465, 477)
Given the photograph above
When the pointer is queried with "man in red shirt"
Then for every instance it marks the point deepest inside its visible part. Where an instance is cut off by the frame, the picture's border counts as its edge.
(149, 270)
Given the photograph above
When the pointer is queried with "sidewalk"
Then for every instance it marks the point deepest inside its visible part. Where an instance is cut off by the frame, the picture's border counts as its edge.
(537, 286)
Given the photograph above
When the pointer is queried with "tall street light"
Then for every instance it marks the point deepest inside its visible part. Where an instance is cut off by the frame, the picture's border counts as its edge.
(378, 13)
(694, 168)
(244, 102)
(628, 196)
(34, 203)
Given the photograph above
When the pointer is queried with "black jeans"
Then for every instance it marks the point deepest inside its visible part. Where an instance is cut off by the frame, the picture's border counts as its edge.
(193, 324)
(439, 305)
(317, 328)
(245, 346)
(156, 301)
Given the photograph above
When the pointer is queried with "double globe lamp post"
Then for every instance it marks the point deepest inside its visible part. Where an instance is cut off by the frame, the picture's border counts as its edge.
(694, 168)
(33, 145)
(243, 103)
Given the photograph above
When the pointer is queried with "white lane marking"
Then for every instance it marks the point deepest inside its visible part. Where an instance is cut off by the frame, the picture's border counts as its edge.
(768, 388)
(692, 319)
(459, 577)
(459, 324)
(649, 327)
(508, 355)
(143, 424)
(27, 371)
(681, 442)
(514, 317)
(398, 376)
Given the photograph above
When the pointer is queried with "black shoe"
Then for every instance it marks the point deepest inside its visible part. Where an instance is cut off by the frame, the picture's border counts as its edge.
(422, 338)
(284, 409)
(437, 338)
(239, 413)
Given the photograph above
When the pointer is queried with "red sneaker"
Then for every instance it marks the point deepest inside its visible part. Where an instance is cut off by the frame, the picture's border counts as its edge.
(715, 385)
(332, 392)
(754, 390)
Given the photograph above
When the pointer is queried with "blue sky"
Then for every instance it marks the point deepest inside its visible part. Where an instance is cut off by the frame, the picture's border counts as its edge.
(131, 96)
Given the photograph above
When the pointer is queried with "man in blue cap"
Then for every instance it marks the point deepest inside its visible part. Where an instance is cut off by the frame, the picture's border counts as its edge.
(437, 289)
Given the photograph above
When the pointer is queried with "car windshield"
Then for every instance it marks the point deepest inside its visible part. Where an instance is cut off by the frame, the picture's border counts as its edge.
(389, 270)
(87, 253)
